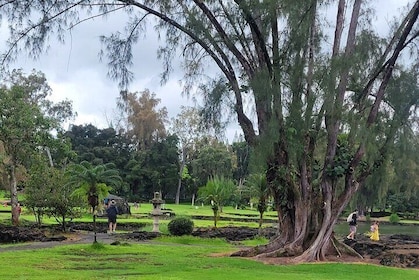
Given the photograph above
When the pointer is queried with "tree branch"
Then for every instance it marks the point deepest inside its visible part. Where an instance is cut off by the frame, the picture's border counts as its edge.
(31, 28)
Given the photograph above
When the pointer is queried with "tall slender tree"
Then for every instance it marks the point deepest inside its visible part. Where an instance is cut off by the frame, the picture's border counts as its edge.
(275, 56)
(187, 127)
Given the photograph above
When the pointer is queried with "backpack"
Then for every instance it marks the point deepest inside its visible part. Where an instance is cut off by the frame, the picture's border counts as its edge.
(349, 219)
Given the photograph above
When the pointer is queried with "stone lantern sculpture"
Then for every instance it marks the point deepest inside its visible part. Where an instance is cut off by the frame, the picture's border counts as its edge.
(156, 213)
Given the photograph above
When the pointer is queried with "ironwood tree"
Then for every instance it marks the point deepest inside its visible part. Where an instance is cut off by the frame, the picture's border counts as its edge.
(317, 95)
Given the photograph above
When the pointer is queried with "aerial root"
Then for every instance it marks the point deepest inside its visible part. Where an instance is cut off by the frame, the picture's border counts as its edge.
(334, 241)
(260, 250)
(345, 248)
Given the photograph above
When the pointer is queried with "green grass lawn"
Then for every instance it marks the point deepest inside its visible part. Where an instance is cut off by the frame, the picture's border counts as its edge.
(172, 258)
(179, 257)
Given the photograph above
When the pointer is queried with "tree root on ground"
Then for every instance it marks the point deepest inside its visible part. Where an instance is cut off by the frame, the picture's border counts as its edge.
(342, 247)
(286, 251)
(260, 249)
(276, 249)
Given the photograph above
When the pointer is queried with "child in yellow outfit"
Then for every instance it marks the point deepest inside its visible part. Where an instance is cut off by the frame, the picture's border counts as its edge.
(375, 235)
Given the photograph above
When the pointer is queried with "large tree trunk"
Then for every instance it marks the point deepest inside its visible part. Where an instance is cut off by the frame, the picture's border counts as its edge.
(325, 239)
(306, 214)
(305, 232)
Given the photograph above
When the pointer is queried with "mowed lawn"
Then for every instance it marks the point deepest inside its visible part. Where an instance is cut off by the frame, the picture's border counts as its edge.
(172, 258)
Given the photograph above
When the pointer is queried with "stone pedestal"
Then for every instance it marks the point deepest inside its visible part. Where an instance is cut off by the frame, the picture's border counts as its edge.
(156, 213)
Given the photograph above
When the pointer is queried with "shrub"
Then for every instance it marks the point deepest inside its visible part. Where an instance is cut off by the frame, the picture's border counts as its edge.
(394, 218)
(180, 226)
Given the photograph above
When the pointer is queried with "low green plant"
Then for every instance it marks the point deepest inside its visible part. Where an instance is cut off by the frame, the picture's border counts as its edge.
(98, 246)
(394, 218)
(180, 226)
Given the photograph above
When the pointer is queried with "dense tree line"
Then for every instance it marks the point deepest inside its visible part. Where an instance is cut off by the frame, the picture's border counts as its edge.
(153, 169)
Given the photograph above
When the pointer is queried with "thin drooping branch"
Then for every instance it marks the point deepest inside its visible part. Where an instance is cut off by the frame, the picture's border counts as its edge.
(23, 34)
(97, 16)
(310, 68)
(7, 3)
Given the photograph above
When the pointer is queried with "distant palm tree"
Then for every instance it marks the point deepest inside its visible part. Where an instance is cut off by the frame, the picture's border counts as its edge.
(93, 182)
(217, 191)
(258, 187)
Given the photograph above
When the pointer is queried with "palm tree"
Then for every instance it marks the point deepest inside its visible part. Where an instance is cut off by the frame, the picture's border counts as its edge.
(93, 183)
(218, 191)
(258, 187)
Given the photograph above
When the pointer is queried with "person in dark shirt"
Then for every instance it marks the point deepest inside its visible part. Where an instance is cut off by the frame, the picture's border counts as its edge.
(352, 225)
(112, 212)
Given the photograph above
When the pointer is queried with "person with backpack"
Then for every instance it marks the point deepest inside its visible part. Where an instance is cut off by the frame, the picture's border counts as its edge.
(352, 224)
(112, 212)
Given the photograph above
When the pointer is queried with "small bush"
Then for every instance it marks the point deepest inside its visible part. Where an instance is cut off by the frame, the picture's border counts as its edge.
(394, 218)
(97, 246)
(180, 226)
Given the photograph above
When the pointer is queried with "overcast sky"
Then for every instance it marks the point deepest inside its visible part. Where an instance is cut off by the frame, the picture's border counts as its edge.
(74, 71)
